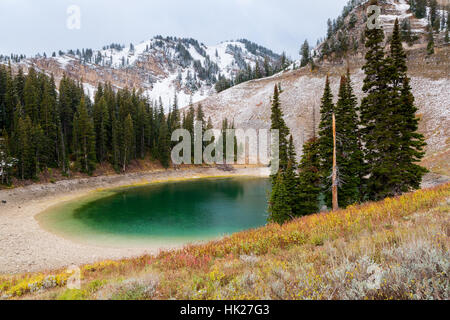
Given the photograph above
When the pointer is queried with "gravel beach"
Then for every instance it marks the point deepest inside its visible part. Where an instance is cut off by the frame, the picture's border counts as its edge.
(26, 247)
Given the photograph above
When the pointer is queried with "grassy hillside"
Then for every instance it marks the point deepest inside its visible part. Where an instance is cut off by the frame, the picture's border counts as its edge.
(394, 249)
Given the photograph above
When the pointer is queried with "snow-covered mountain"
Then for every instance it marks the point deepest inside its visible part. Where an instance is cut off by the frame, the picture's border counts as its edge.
(248, 105)
(160, 67)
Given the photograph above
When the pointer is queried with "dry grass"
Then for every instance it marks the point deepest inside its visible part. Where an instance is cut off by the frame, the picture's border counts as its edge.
(393, 249)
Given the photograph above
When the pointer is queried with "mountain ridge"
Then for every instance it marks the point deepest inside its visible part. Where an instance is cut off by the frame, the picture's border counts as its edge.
(160, 67)
(248, 104)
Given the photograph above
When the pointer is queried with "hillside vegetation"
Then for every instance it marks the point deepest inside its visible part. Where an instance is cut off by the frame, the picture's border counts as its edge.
(393, 249)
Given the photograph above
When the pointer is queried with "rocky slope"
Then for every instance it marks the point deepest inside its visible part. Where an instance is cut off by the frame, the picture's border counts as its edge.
(163, 66)
(160, 67)
(248, 104)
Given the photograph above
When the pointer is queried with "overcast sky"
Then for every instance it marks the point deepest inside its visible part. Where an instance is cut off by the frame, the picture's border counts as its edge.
(36, 26)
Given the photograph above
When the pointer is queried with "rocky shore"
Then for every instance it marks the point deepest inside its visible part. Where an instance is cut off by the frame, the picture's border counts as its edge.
(26, 247)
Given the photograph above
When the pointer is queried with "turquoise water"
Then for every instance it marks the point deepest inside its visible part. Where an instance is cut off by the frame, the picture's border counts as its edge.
(163, 214)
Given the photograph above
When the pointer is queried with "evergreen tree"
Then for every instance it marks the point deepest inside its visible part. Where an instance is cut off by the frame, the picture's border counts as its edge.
(329, 29)
(38, 146)
(70, 94)
(101, 125)
(10, 101)
(349, 153)
(420, 8)
(430, 45)
(26, 161)
(128, 142)
(84, 139)
(164, 143)
(406, 31)
(292, 155)
(201, 118)
(49, 124)
(392, 145)
(309, 177)
(115, 137)
(48, 130)
(290, 181)
(257, 71)
(31, 103)
(446, 37)
(142, 128)
(19, 82)
(412, 143)
(279, 209)
(278, 123)
(174, 122)
(435, 22)
(6, 161)
(375, 110)
(305, 53)
(404, 121)
(267, 68)
(326, 140)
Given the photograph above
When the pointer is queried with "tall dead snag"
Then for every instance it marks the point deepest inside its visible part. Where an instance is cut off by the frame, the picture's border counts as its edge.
(334, 176)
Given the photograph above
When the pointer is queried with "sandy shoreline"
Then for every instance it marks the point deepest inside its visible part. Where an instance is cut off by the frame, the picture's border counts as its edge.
(26, 247)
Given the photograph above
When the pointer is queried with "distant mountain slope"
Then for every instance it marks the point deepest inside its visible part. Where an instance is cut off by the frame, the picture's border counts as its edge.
(248, 104)
(160, 66)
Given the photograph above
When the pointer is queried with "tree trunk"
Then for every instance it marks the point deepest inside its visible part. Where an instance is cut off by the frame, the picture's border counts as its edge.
(334, 177)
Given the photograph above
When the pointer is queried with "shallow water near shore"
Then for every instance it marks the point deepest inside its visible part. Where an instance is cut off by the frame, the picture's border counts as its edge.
(164, 214)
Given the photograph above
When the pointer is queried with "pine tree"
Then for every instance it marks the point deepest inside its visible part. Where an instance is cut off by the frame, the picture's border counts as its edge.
(26, 160)
(406, 31)
(305, 53)
(420, 8)
(446, 37)
(201, 118)
(38, 142)
(430, 45)
(174, 122)
(309, 177)
(164, 143)
(257, 74)
(377, 137)
(412, 143)
(290, 181)
(290, 177)
(10, 101)
(19, 82)
(48, 130)
(7, 162)
(101, 125)
(115, 140)
(435, 22)
(84, 139)
(279, 209)
(404, 121)
(392, 145)
(326, 140)
(31, 96)
(267, 67)
(127, 142)
(48, 122)
(142, 129)
(349, 153)
(278, 123)
(292, 154)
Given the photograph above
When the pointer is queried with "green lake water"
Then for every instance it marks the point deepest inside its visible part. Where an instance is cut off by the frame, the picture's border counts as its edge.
(163, 214)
